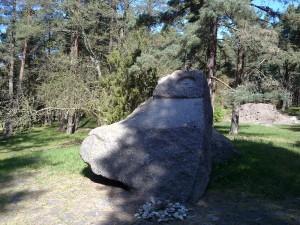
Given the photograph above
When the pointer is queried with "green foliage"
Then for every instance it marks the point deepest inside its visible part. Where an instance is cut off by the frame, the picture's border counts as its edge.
(218, 113)
(103, 58)
(247, 93)
(293, 111)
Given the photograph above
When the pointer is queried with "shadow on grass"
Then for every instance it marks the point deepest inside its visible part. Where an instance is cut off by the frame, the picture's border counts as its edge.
(259, 131)
(9, 165)
(11, 175)
(9, 201)
(292, 128)
(262, 170)
(28, 140)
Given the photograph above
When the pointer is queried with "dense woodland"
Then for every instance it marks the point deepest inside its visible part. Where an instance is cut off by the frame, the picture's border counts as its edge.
(62, 60)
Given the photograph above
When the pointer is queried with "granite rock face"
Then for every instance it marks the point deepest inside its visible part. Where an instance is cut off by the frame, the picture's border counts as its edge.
(221, 147)
(162, 149)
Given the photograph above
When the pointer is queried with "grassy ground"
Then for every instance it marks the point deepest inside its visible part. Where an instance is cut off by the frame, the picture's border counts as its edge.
(42, 181)
(268, 166)
(41, 148)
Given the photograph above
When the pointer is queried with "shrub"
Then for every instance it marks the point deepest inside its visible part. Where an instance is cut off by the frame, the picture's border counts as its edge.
(218, 113)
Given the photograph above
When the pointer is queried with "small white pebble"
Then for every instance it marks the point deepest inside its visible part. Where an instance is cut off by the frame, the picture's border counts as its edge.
(176, 215)
(152, 200)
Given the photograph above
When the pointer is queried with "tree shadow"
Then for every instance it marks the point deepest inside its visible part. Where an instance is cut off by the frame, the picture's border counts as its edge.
(261, 170)
(292, 128)
(10, 201)
(225, 128)
(14, 163)
(12, 174)
(29, 140)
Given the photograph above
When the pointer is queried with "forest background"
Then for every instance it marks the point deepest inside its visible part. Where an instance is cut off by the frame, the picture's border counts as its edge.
(62, 60)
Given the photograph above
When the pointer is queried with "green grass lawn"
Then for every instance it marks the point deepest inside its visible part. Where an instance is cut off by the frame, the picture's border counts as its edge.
(269, 163)
(268, 166)
(42, 148)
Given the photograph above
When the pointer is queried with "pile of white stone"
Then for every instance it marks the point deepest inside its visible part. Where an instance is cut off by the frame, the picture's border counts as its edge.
(162, 211)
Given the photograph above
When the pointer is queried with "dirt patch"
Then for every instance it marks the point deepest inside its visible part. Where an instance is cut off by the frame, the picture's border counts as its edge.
(265, 114)
(46, 198)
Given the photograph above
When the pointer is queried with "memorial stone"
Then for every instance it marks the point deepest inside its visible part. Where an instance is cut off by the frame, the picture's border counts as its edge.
(162, 149)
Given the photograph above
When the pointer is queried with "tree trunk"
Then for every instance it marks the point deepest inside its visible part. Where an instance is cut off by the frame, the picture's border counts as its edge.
(240, 65)
(122, 29)
(212, 56)
(76, 121)
(74, 48)
(9, 123)
(283, 105)
(113, 21)
(70, 127)
(23, 62)
(285, 84)
(21, 75)
(48, 118)
(74, 56)
(235, 119)
(238, 80)
(63, 122)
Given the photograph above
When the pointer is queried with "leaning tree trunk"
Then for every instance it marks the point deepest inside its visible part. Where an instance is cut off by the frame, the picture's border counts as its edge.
(212, 56)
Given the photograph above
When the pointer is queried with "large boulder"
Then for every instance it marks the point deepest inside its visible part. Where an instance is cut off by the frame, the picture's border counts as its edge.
(163, 148)
(221, 147)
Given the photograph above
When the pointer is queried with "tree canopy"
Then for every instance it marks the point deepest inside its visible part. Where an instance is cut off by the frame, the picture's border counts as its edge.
(61, 60)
